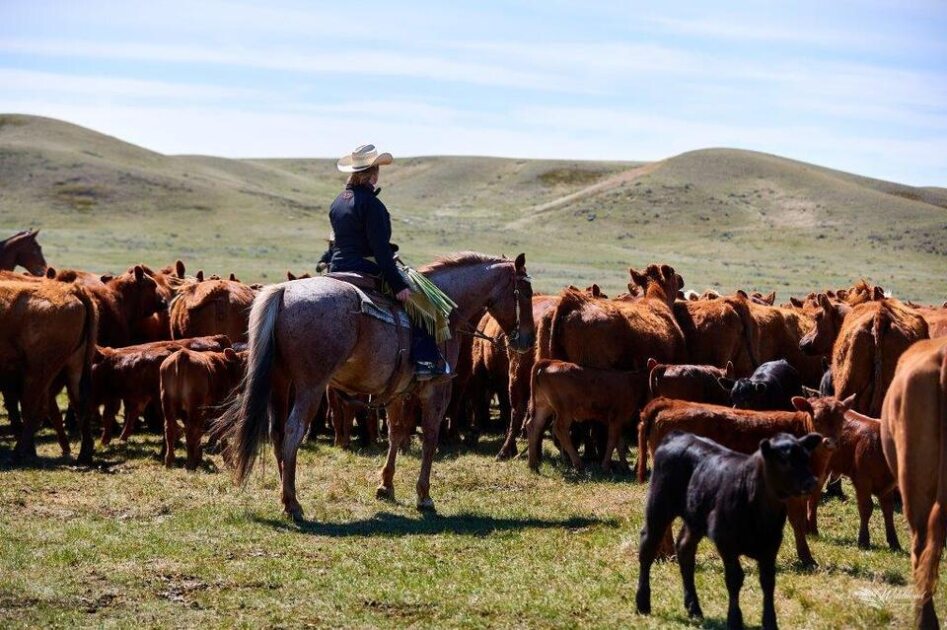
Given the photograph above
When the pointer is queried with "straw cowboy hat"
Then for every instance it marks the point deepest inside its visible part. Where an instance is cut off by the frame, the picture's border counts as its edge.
(363, 158)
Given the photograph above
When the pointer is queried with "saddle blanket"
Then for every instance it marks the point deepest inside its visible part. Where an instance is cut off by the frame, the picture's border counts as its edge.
(369, 307)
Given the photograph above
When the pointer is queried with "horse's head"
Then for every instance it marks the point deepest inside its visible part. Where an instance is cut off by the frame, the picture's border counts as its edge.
(29, 253)
(512, 306)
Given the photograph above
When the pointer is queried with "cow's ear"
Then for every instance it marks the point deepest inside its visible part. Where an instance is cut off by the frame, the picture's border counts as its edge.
(680, 280)
(233, 277)
(520, 262)
(200, 275)
(766, 449)
(802, 404)
(849, 402)
(877, 293)
(651, 363)
(729, 371)
(743, 294)
(726, 383)
(229, 354)
(811, 441)
(811, 393)
(770, 298)
(50, 273)
(105, 278)
(179, 268)
(637, 278)
(796, 302)
(823, 301)
(139, 272)
(596, 290)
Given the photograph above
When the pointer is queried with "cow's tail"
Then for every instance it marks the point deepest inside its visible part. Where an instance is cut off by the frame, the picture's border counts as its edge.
(244, 425)
(644, 432)
(539, 367)
(750, 331)
(89, 338)
(654, 378)
(928, 564)
(569, 300)
(879, 328)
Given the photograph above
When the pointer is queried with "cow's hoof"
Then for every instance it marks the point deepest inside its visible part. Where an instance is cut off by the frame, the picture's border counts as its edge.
(426, 505)
(296, 514)
(383, 493)
(506, 453)
(84, 459)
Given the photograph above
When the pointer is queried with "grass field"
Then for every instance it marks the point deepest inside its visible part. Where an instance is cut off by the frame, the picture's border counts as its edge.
(130, 543)
(723, 218)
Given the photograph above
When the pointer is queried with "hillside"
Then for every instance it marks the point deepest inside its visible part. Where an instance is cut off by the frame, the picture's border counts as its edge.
(725, 218)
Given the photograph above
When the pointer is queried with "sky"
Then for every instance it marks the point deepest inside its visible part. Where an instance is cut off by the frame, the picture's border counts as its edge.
(859, 86)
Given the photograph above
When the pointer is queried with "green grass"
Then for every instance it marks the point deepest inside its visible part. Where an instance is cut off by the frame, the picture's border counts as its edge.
(131, 543)
(725, 218)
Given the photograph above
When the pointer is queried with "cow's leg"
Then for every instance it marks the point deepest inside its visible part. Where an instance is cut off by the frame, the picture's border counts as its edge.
(656, 523)
(170, 435)
(535, 428)
(35, 404)
(686, 554)
(80, 401)
(133, 411)
(887, 511)
(108, 419)
(55, 418)
(767, 569)
(11, 403)
(193, 431)
(563, 423)
(614, 433)
(796, 509)
(925, 558)
(733, 576)
(296, 425)
(398, 432)
(812, 513)
(865, 508)
(433, 405)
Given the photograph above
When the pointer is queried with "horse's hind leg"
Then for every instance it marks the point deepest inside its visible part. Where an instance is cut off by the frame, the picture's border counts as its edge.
(398, 424)
(433, 406)
(304, 405)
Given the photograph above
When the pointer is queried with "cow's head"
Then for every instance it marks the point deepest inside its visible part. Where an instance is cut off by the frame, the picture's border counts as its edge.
(140, 294)
(828, 414)
(657, 282)
(787, 464)
(744, 392)
(827, 318)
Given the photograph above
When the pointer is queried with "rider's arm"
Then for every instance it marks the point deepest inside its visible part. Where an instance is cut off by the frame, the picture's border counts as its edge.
(378, 230)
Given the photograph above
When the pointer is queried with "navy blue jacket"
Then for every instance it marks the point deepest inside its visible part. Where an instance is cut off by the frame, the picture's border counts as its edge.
(362, 228)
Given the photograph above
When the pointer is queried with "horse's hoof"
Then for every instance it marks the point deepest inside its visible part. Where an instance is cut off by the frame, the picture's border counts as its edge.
(426, 505)
(385, 494)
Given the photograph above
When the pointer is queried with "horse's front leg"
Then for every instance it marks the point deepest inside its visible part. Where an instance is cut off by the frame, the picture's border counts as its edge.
(433, 404)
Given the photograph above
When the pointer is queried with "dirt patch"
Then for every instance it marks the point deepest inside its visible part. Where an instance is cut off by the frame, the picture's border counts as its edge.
(570, 177)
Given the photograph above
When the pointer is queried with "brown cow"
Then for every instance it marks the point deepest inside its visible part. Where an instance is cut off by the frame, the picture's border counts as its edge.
(719, 331)
(866, 341)
(47, 329)
(696, 383)
(122, 301)
(914, 441)
(618, 334)
(742, 430)
(860, 458)
(192, 384)
(779, 332)
(157, 327)
(211, 307)
(573, 393)
(345, 409)
(936, 319)
(22, 250)
(130, 375)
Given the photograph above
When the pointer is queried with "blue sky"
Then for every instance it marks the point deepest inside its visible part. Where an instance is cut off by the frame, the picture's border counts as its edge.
(860, 86)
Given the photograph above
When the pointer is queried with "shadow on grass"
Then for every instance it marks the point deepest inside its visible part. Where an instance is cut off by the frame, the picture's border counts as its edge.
(389, 524)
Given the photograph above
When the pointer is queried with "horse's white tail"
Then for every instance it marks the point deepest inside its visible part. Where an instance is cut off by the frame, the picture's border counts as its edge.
(244, 426)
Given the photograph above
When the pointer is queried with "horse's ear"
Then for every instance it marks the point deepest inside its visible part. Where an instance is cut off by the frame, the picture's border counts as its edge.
(34, 233)
(290, 276)
(179, 268)
(200, 275)
(520, 262)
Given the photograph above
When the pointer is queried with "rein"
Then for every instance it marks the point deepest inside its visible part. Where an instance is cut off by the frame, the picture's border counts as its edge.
(501, 341)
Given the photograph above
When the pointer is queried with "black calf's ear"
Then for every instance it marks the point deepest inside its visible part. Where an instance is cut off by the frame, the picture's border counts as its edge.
(766, 448)
(811, 441)
(726, 383)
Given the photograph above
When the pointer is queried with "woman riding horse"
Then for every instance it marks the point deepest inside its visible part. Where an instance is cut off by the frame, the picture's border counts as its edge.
(362, 231)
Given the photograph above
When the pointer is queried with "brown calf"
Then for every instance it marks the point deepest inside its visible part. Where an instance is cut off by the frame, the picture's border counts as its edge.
(742, 430)
(192, 384)
(696, 383)
(211, 307)
(573, 393)
(131, 375)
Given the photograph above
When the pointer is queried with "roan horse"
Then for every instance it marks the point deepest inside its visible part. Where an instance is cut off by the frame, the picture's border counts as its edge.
(22, 250)
(307, 334)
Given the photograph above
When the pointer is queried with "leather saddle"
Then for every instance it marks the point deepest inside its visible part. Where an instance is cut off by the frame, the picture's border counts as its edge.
(364, 281)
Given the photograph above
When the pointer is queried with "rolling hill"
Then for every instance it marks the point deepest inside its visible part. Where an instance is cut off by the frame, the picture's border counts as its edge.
(724, 218)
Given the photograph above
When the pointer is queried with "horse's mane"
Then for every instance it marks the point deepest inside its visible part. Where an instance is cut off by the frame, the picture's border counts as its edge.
(459, 259)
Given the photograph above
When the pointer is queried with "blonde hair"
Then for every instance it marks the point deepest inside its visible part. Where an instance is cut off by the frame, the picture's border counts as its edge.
(362, 178)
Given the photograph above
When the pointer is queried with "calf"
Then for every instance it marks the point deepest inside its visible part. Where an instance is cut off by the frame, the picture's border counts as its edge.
(737, 500)
(696, 383)
(772, 386)
(860, 458)
(192, 384)
(575, 393)
(742, 430)
(131, 375)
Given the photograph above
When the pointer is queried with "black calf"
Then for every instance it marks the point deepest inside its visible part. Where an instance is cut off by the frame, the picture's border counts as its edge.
(771, 387)
(737, 500)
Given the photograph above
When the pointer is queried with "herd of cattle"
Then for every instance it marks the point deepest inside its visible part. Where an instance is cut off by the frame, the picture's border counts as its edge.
(744, 407)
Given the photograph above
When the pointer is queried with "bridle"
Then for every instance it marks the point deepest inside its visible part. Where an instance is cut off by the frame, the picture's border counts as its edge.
(505, 341)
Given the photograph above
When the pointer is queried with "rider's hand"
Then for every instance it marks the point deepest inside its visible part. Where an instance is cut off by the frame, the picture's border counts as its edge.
(403, 295)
